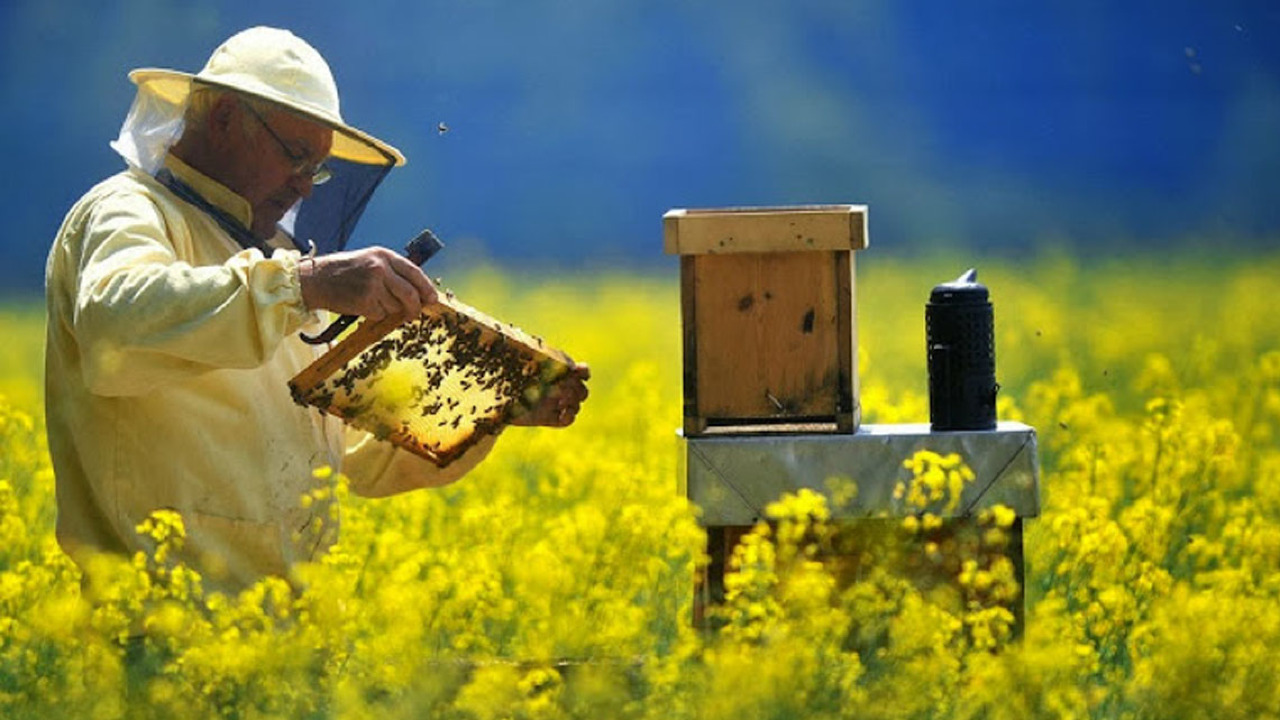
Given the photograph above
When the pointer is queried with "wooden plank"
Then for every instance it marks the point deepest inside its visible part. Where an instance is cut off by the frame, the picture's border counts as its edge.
(764, 426)
(349, 346)
(709, 590)
(799, 228)
(1017, 555)
(727, 332)
(766, 335)
(859, 238)
(801, 320)
(848, 412)
(694, 423)
(671, 231)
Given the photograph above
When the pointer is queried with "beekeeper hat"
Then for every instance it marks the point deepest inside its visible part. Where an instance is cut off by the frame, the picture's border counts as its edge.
(278, 66)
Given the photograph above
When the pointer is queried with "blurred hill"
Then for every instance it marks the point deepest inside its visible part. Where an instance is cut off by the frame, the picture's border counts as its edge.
(992, 125)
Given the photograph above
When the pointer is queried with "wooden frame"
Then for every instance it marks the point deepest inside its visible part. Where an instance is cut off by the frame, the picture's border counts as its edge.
(434, 409)
(783, 228)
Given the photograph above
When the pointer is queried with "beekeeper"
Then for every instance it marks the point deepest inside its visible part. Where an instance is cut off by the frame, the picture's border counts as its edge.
(175, 300)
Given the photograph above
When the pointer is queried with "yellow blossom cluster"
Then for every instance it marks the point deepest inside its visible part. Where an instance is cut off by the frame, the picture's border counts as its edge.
(558, 579)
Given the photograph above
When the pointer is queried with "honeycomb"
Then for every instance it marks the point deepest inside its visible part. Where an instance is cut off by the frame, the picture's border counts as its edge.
(435, 385)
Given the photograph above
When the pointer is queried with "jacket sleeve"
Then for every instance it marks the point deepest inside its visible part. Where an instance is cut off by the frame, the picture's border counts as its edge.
(379, 469)
(143, 316)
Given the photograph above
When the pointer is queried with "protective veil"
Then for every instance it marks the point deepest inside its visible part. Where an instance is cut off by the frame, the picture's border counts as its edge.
(325, 220)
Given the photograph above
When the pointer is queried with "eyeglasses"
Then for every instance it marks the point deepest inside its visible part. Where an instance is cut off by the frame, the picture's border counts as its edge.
(300, 164)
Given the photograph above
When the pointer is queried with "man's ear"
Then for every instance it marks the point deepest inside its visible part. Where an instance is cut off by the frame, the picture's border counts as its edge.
(223, 124)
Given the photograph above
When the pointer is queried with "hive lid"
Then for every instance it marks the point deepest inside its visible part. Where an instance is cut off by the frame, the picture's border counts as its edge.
(783, 228)
(435, 385)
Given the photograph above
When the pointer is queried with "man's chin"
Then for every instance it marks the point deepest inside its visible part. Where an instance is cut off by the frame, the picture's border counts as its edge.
(265, 223)
(264, 233)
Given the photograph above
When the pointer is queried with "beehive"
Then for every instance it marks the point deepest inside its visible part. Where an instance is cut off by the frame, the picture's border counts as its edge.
(435, 385)
(768, 317)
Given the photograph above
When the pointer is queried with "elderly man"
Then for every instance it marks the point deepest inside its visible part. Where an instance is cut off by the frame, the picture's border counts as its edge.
(174, 307)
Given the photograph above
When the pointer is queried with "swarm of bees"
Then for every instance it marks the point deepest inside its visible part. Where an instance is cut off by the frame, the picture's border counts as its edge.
(436, 385)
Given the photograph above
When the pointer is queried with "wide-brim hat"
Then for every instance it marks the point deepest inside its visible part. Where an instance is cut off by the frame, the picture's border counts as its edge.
(277, 66)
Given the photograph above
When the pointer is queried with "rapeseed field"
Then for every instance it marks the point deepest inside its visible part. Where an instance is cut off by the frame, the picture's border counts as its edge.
(556, 580)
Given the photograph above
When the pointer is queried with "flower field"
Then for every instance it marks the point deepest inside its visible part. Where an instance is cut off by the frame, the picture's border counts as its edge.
(556, 581)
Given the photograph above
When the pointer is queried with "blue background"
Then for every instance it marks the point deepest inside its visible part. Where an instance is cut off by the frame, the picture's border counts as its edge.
(984, 126)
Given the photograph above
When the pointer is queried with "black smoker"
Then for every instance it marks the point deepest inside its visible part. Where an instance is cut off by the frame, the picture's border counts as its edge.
(960, 336)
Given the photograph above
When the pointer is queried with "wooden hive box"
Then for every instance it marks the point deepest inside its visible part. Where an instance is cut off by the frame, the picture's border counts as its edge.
(768, 317)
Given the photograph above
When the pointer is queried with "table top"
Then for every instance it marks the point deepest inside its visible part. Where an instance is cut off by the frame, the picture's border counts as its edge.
(734, 477)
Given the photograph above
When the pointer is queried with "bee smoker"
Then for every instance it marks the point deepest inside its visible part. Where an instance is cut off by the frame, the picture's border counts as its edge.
(960, 337)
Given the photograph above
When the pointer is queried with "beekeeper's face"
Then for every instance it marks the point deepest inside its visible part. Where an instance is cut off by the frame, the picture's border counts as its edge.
(267, 155)
(288, 153)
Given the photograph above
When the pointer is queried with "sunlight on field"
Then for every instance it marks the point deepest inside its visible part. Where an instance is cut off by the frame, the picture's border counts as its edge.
(556, 580)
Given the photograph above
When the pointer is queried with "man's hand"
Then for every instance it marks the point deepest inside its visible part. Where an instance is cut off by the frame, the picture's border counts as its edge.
(373, 282)
(560, 404)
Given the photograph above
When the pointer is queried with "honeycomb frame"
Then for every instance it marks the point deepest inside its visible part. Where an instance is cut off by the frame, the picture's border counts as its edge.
(435, 385)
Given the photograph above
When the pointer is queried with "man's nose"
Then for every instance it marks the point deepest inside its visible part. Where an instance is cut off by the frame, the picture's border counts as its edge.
(302, 184)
